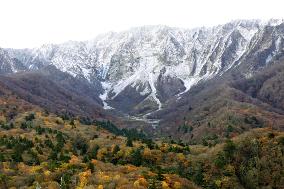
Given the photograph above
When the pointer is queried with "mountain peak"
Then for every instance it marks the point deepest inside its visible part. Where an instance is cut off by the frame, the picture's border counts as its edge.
(144, 61)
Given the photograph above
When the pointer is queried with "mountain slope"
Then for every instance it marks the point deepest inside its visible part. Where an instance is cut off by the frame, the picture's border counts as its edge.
(156, 74)
(152, 107)
(42, 149)
(226, 106)
(149, 65)
(9, 64)
(39, 89)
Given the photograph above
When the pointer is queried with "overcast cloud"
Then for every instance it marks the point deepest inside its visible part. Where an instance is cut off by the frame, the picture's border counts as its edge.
(31, 23)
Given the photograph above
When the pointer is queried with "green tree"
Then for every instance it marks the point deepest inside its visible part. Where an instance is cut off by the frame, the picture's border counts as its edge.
(94, 152)
(116, 149)
(80, 145)
(220, 161)
(136, 157)
(229, 150)
(129, 142)
(17, 157)
(30, 117)
(160, 177)
(3, 181)
(91, 166)
(2, 157)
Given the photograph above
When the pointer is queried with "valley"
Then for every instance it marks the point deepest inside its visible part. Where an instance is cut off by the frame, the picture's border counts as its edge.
(149, 107)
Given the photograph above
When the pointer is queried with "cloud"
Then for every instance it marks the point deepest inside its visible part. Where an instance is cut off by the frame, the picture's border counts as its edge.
(31, 23)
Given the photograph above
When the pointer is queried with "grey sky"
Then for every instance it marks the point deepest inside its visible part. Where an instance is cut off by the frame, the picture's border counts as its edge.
(30, 23)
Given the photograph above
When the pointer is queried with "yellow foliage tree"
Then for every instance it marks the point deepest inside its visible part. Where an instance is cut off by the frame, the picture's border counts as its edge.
(177, 185)
(74, 160)
(2, 119)
(141, 182)
(181, 157)
(83, 178)
(101, 153)
(165, 185)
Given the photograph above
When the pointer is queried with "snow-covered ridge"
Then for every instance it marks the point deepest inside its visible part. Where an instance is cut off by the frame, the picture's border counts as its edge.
(140, 56)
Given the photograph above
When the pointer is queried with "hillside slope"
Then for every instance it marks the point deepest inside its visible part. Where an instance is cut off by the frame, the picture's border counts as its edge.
(40, 149)
(226, 106)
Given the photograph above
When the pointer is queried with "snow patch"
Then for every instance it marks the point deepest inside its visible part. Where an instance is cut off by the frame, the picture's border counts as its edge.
(268, 59)
(86, 73)
(106, 86)
(278, 43)
(154, 90)
(247, 33)
(145, 91)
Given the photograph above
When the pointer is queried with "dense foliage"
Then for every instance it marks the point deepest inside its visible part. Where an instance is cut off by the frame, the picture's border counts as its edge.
(40, 150)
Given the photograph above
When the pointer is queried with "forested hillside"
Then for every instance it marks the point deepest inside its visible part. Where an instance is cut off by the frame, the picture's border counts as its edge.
(42, 149)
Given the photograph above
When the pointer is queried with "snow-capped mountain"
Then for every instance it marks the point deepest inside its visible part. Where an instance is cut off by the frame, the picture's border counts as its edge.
(9, 64)
(140, 69)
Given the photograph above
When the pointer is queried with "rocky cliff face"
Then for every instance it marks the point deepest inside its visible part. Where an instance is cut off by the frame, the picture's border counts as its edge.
(9, 64)
(139, 70)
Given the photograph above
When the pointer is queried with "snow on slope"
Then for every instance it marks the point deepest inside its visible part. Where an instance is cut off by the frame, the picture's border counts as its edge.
(139, 56)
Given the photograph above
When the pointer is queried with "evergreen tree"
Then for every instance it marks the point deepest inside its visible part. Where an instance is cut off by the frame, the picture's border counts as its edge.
(159, 174)
(17, 157)
(229, 150)
(136, 157)
(94, 152)
(129, 142)
(91, 166)
(115, 149)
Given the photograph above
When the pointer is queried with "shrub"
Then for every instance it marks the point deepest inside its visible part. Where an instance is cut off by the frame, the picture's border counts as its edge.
(30, 117)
